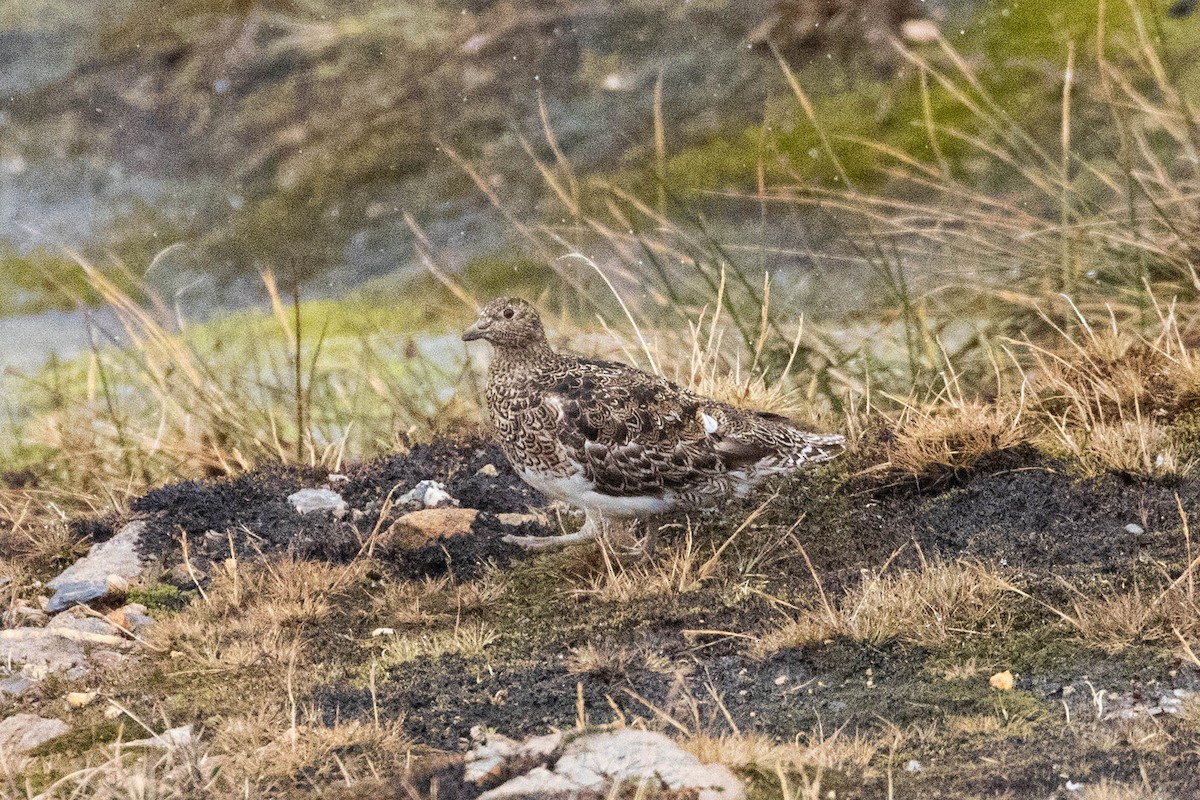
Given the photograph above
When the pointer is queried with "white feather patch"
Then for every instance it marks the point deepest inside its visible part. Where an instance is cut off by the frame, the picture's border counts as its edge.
(710, 423)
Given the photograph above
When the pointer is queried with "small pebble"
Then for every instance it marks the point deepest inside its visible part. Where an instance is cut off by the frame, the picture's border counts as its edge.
(912, 766)
(1003, 681)
(80, 699)
(489, 470)
(1135, 529)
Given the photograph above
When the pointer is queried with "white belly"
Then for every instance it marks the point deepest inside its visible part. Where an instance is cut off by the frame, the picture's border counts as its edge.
(579, 491)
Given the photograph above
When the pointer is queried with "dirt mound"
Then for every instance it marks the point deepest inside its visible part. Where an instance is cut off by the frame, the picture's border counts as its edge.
(251, 515)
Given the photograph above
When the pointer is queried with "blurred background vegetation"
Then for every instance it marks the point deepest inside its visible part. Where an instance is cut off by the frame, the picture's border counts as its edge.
(234, 230)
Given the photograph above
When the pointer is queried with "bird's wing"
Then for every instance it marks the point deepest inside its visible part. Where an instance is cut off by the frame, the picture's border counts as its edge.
(637, 434)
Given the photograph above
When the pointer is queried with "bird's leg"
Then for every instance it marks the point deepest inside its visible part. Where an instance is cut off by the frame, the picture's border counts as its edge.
(649, 540)
(593, 526)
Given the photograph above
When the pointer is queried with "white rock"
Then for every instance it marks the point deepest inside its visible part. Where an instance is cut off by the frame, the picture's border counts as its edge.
(1135, 529)
(20, 733)
(426, 494)
(97, 574)
(486, 759)
(489, 470)
(307, 501)
(598, 762)
(174, 737)
(912, 766)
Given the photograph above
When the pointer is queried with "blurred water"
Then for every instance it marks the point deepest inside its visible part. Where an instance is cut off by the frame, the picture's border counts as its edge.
(27, 342)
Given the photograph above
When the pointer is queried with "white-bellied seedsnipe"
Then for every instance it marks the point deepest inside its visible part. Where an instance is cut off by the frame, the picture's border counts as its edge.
(620, 442)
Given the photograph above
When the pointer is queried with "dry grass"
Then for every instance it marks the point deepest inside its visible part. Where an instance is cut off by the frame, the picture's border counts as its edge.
(616, 660)
(469, 640)
(1108, 398)
(928, 606)
(1107, 790)
(254, 615)
(933, 440)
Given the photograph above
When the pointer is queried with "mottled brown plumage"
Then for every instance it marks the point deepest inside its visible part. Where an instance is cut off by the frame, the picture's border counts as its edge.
(618, 441)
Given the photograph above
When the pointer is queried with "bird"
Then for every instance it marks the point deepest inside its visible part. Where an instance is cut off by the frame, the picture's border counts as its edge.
(618, 442)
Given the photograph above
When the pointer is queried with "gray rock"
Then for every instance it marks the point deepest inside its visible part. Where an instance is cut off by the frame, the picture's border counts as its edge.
(1135, 529)
(20, 733)
(306, 501)
(16, 685)
(88, 578)
(40, 652)
(560, 766)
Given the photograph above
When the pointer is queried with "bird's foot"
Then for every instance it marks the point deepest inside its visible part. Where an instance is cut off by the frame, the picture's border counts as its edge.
(551, 542)
(593, 526)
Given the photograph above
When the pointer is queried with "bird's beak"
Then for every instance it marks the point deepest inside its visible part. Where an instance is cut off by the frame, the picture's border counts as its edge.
(472, 333)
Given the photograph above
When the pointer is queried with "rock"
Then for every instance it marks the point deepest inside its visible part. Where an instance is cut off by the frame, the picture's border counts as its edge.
(306, 501)
(80, 699)
(183, 577)
(40, 652)
(337, 477)
(417, 528)
(488, 470)
(21, 733)
(16, 685)
(426, 494)
(132, 617)
(562, 766)
(105, 569)
(484, 764)
(1002, 681)
(94, 629)
(174, 737)
(1134, 529)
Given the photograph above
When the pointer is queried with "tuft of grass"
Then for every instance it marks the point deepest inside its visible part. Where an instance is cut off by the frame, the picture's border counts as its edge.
(932, 440)
(929, 606)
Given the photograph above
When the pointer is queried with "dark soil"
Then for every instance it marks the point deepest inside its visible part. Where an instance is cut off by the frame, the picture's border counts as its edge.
(1020, 511)
(252, 512)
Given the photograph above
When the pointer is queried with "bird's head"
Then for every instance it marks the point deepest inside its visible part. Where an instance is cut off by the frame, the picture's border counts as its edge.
(507, 322)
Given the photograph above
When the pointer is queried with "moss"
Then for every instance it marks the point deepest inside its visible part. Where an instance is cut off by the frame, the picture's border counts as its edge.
(161, 597)
(82, 738)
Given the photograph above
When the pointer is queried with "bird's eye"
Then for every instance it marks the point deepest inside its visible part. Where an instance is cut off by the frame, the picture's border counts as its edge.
(508, 313)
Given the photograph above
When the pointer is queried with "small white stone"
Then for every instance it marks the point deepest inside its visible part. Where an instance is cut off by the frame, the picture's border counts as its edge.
(912, 766)
(1135, 529)
(383, 632)
(175, 737)
(488, 470)
(426, 494)
(1074, 787)
(80, 699)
